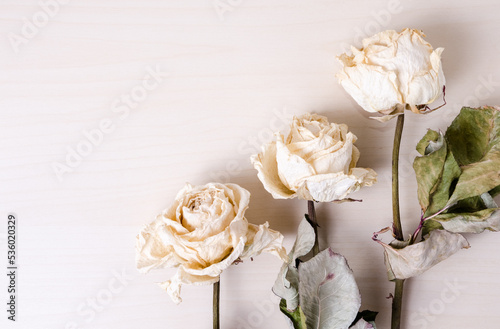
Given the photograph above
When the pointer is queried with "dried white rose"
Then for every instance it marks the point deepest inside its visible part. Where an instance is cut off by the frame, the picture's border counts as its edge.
(202, 233)
(393, 71)
(316, 162)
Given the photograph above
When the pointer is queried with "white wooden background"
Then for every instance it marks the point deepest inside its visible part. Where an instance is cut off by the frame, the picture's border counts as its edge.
(228, 73)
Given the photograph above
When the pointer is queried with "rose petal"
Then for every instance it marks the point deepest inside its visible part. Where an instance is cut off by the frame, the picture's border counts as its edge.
(336, 186)
(306, 127)
(173, 286)
(427, 86)
(262, 239)
(335, 161)
(307, 149)
(292, 169)
(204, 276)
(267, 171)
(397, 111)
(240, 198)
(151, 253)
(371, 87)
(214, 270)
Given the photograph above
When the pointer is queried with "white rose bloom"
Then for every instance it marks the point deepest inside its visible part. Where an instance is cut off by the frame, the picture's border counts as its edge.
(316, 162)
(393, 71)
(202, 233)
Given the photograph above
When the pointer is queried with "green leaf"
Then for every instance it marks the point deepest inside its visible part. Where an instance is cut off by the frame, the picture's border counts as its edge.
(437, 172)
(429, 167)
(297, 317)
(470, 134)
(458, 172)
(471, 215)
(328, 292)
(494, 192)
(468, 205)
(474, 139)
(429, 138)
(430, 225)
(446, 183)
(476, 222)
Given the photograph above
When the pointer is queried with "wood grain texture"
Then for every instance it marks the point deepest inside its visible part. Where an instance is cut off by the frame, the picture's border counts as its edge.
(225, 82)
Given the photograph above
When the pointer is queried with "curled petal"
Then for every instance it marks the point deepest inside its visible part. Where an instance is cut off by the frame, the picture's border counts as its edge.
(151, 252)
(262, 239)
(267, 171)
(307, 127)
(371, 87)
(214, 270)
(336, 186)
(427, 86)
(399, 109)
(199, 276)
(173, 286)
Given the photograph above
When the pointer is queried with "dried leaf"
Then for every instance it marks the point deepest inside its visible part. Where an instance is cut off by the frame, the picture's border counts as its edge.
(287, 282)
(329, 296)
(458, 173)
(429, 167)
(415, 259)
(474, 139)
(476, 222)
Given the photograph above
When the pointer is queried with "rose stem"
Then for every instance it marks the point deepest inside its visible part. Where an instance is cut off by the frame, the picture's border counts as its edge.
(397, 303)
(312, 217)
(397, 300)
(216, 304)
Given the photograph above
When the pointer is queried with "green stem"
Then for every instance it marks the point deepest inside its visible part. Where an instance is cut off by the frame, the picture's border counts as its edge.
(216, 304)
(396, 218)
(312, 217)
(397, 229)
(397, 303)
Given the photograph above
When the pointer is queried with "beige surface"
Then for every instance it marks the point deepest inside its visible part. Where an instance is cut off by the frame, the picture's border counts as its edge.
(227, 79)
